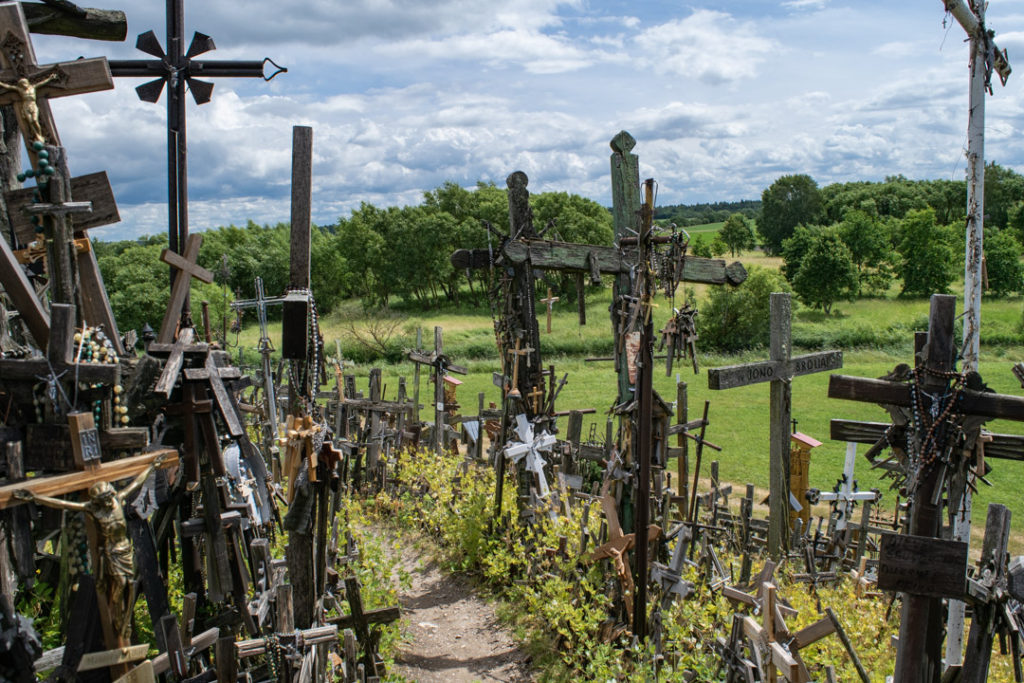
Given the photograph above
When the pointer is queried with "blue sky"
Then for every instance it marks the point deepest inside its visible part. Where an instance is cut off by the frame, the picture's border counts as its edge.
(723, 97)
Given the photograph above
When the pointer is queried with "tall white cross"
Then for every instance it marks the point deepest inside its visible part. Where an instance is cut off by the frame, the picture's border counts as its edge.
(985, 57)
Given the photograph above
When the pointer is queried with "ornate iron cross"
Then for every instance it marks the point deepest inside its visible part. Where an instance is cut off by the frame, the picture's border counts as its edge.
(177, 67)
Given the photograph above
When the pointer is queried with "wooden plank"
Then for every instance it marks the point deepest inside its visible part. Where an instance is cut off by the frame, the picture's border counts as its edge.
(982, 404)
(813, 633)
(143, 673)
(83, 75)
(586, 258)
(93, 24)
(80, 481)
(93, 187)
(919, 565)
(161, 663)
(764, 371)
(23, 295)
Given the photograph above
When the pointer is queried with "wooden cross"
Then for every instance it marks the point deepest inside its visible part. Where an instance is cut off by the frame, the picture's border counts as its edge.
(920, 643)
(442, 365)
(179, 69)
(183, 346)
(780, 369)
(62, 484)
(47, 80)
(214, 375)
(517, 353)
(535, 396)
(296, 304)
(188, 268)
(549, 302)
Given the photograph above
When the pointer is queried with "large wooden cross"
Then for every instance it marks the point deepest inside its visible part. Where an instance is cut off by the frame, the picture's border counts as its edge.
(178, 68)
(46, 80)
(187, 266)
(779, 369)
(919, 657)
(441, 365)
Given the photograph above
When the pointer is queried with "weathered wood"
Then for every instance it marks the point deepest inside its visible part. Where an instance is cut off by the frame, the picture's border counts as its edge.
(923, 566)
(302, 201)
(978, 403)
(23, 295)
(1002, 446)
(94, 188)
(764, 371)
(584, 258)
(779, 371)
(187, 266)
(162, 664)
(978, 654)
(80, 481)
(93, 24)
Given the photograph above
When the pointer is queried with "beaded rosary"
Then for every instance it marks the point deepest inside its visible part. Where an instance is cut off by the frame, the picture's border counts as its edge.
(923, 452)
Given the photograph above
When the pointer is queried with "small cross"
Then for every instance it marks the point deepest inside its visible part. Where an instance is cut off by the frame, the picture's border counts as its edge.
(549, 302)
(518, 353)
(535, 396)
(189, 269)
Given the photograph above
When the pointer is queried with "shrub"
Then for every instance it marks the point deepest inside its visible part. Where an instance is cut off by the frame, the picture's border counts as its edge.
(738, 318)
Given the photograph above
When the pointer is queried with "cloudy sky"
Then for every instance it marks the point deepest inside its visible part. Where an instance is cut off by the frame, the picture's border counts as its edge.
(723, 97)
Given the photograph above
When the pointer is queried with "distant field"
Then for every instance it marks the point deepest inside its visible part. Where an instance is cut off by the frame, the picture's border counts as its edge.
(738, 417)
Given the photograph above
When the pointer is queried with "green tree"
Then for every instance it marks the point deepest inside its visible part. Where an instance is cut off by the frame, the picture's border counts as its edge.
(869, 240)
(699, 246)
(789, 201)
(736, 234)
(738, 318)
(1002, 263)
(795, 247)
(826, 273)
(1004, 187)
(1015, 221)
(927, 263)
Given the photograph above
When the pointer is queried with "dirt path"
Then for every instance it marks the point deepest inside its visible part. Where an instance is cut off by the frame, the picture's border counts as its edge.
(453, 635)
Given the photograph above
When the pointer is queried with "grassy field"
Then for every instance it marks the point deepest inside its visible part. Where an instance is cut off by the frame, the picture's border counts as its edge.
(738, 417)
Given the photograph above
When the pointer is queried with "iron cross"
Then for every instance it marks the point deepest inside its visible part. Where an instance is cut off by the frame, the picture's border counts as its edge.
(178, 68)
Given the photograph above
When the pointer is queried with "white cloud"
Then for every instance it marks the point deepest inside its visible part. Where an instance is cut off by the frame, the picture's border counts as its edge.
(708, 45)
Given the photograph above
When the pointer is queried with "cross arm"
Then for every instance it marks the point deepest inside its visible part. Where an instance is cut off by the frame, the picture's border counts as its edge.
(77, 77)
(172, 258)
(80, 481)
(92, 24)
(978, 403)
(768, 370)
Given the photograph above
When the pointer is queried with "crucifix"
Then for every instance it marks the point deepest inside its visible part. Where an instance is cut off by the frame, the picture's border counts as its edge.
(178, 68)
(946, 420)
(43, 145)
(549, 302)
(779, 369)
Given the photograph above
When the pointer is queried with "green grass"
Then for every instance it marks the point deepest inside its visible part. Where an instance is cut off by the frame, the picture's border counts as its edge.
(876, 334)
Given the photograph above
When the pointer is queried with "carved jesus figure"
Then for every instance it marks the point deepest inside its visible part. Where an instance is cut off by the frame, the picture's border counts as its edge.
(27, 107)
(115, 573)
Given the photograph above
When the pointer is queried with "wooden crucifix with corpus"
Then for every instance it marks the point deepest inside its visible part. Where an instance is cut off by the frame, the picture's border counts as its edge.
(779, 369)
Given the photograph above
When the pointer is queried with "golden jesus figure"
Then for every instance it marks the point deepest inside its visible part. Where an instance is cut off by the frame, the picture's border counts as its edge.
(27, 108)
(116, 568)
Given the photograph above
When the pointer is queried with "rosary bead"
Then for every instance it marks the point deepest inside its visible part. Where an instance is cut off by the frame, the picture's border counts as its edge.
(38, 146)
(43, 154)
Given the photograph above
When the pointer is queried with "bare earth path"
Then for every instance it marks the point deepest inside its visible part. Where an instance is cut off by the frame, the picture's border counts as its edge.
(453, 635)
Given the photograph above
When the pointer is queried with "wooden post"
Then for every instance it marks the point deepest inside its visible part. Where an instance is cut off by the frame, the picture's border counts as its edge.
(972, 19)
(625, 170)
(993, 559)
(295, 308)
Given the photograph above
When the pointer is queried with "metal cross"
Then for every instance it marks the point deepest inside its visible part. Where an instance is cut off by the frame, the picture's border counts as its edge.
(178, 68)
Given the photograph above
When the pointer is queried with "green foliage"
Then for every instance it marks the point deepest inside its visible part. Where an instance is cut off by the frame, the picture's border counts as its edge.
(1015, 221)
(892, 198)
(927, 262)
(1004, 188)
(795, 248)
(699, 246)
(1002, 262)
(869, 240)
(826, 273)
(789, 201)
(737, 234)
(738, 318)
(689, 215)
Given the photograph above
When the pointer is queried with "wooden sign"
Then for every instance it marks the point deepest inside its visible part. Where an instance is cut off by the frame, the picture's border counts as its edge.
(85, 438)
(919, 565)
(765, 371)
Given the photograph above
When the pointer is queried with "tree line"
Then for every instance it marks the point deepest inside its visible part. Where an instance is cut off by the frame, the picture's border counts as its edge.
(379, 255)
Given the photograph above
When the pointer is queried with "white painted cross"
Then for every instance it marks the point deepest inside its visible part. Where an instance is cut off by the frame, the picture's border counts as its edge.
(531, 448)
(846, 497)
